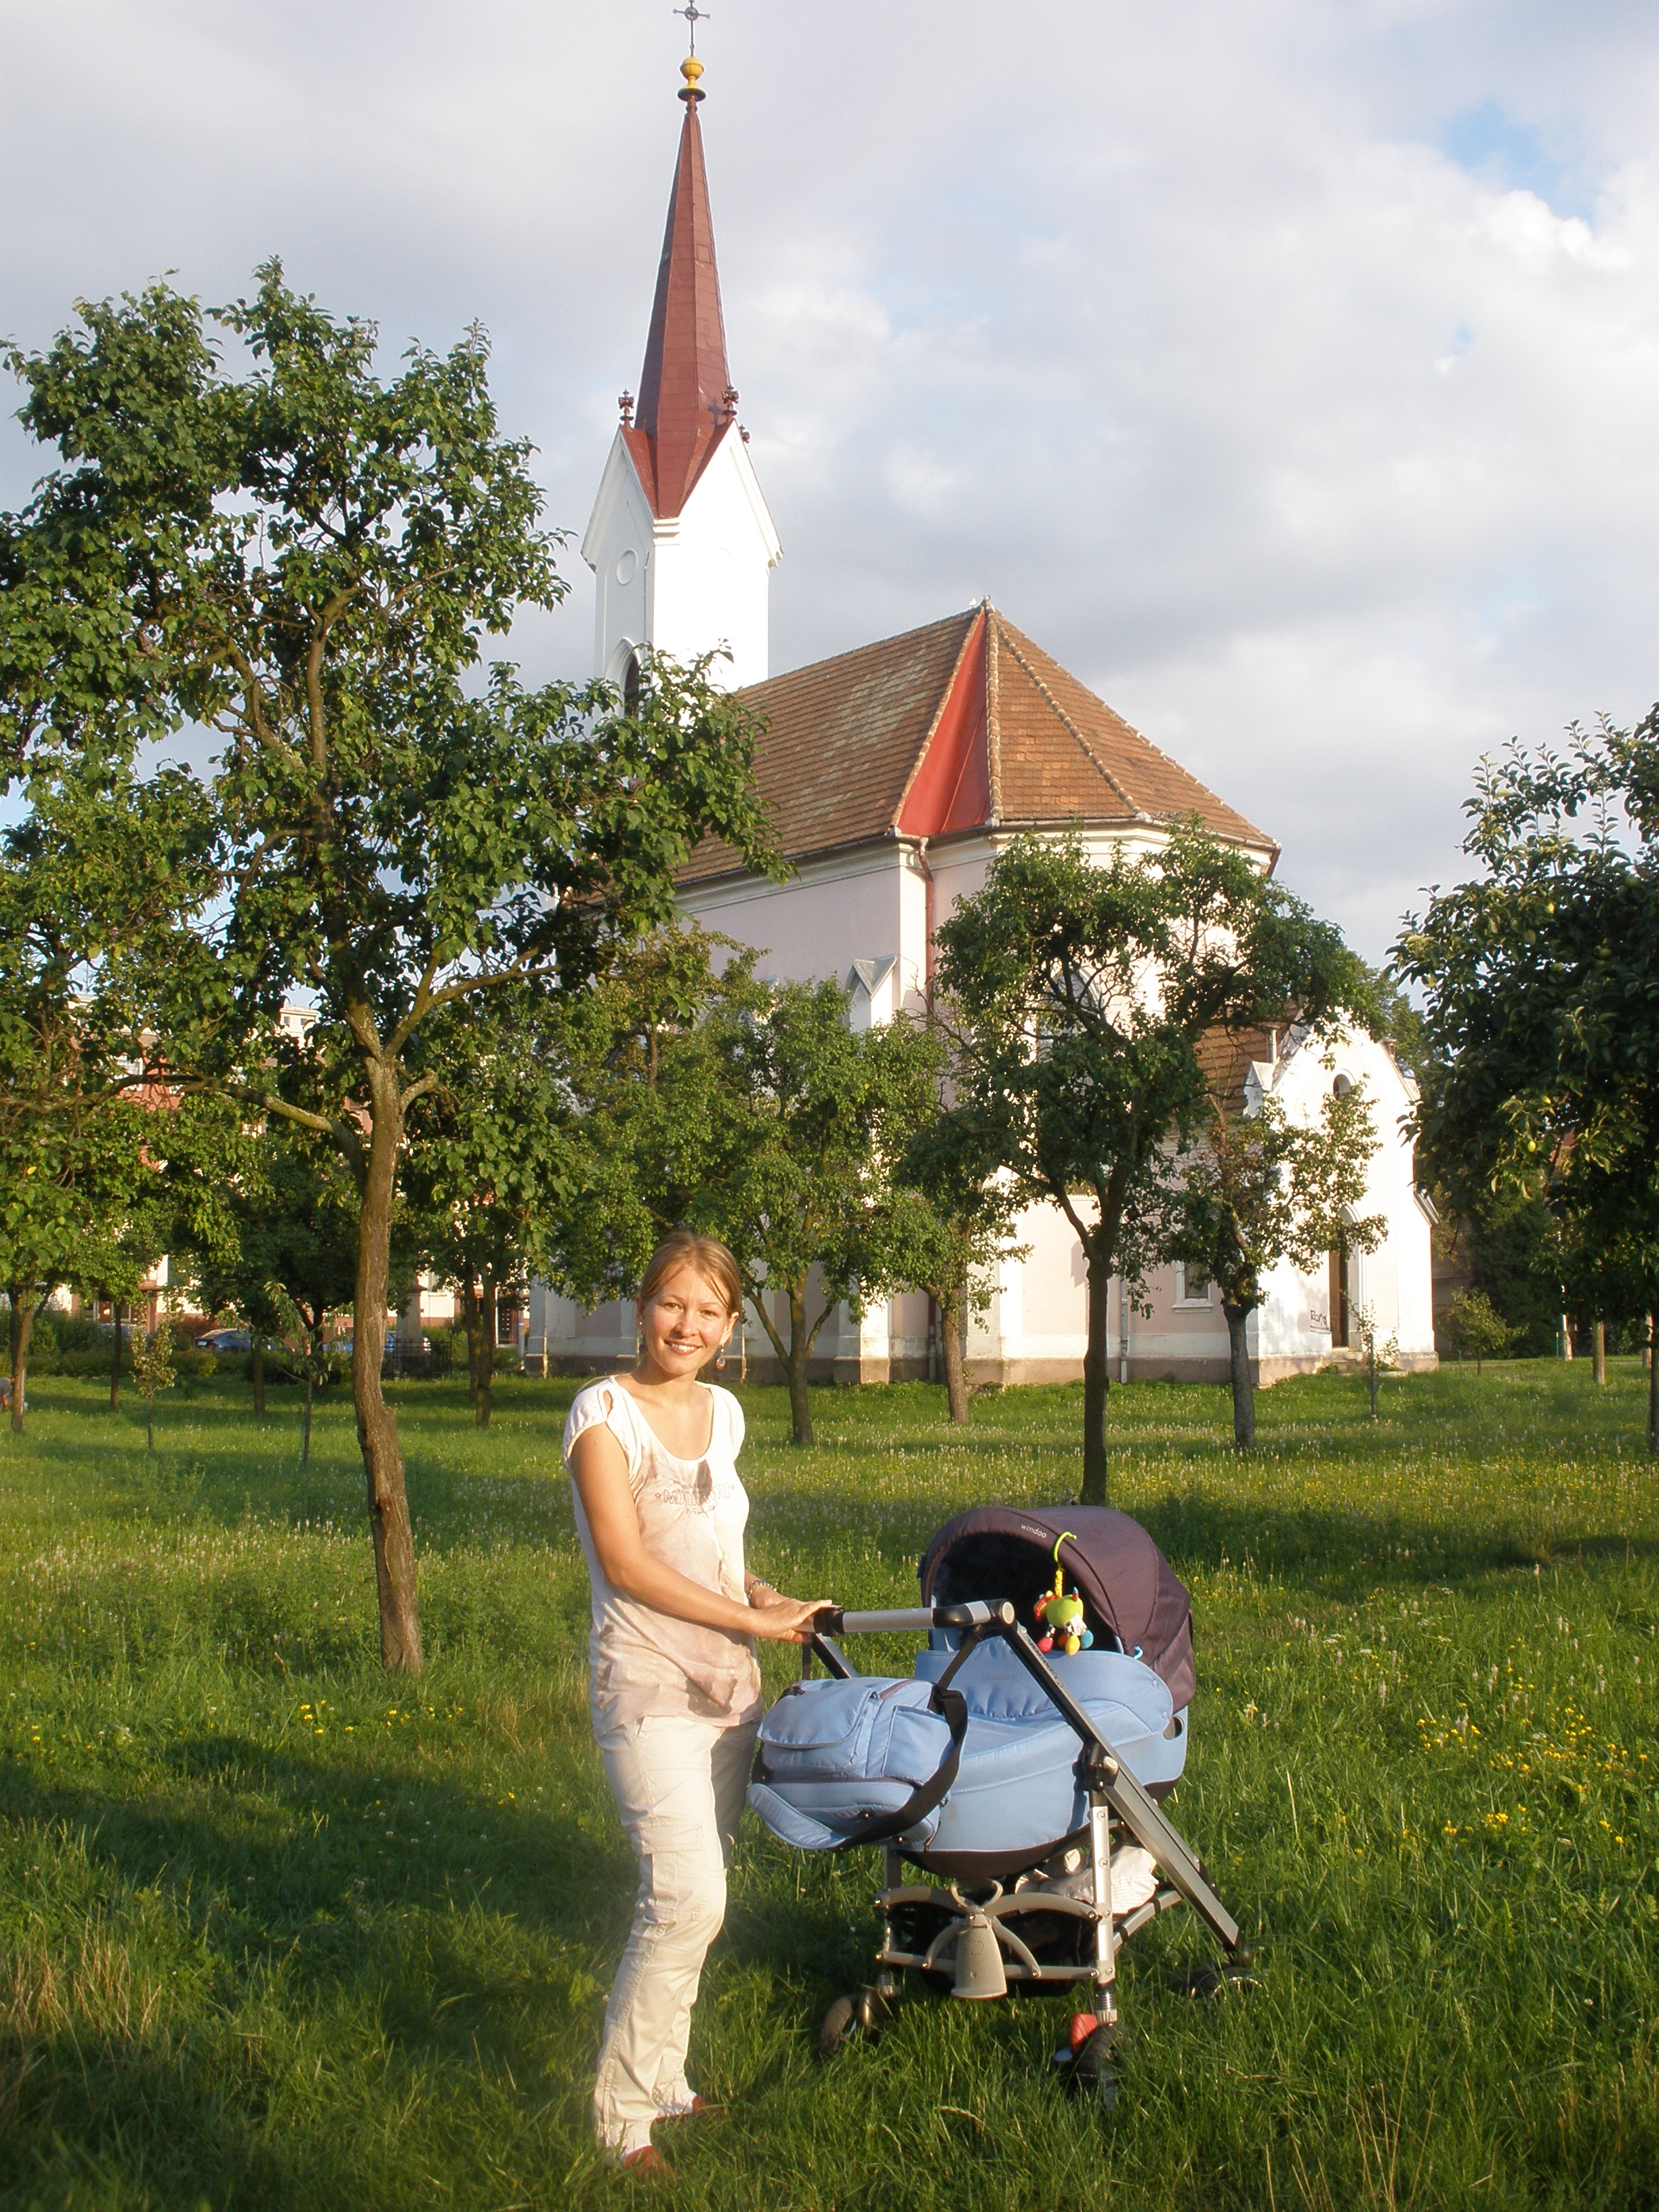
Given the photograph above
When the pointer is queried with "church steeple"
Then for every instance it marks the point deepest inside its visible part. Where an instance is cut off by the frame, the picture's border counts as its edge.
(686, 400)
(680, 541)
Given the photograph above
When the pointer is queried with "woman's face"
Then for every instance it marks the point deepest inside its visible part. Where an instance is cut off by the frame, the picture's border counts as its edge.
(685, 1322)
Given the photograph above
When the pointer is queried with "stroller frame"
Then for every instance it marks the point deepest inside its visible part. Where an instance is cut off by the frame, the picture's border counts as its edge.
(981, 1932)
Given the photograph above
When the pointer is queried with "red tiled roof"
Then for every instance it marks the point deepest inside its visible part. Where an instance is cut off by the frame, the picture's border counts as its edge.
(963, 725)
(686, 403)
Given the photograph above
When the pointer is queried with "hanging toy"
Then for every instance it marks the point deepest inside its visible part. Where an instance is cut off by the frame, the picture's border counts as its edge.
(1060, 1616)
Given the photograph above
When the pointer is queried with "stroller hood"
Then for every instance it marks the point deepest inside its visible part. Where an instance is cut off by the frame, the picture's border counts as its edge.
(1124, 1580)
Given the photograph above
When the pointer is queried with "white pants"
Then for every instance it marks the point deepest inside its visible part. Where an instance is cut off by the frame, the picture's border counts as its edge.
(678, 1784)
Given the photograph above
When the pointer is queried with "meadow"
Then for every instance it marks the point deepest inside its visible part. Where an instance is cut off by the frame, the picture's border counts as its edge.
(278, 1932)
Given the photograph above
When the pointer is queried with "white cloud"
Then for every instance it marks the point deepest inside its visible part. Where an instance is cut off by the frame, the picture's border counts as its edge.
(1285, 366)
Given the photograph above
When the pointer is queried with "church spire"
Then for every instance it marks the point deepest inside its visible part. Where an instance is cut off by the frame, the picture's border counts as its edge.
(686, 401)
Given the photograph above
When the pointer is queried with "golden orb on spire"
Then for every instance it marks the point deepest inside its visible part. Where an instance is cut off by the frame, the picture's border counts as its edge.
(691, 69)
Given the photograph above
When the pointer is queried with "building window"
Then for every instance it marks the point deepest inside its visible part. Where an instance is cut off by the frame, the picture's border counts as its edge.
(506, 1324)
(630, 685)
(1193, 1283)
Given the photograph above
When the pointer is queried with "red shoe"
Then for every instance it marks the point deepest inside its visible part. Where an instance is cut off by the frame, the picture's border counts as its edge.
(649, 2163)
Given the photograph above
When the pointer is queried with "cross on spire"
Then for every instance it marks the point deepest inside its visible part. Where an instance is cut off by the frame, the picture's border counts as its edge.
(693, 16)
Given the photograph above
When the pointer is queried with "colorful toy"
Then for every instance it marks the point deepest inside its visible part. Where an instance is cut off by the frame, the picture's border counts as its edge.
(1061, 1617)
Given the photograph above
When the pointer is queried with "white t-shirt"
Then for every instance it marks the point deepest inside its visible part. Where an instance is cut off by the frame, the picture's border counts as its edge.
(692, 1514)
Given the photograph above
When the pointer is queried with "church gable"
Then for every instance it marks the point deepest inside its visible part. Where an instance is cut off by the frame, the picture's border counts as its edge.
(964, 724)
(949, 785)
(840, 739)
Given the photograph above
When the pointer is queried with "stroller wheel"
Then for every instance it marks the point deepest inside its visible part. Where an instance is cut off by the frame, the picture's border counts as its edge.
(864, 2013)
(1211, 1981)
(1093, 2072)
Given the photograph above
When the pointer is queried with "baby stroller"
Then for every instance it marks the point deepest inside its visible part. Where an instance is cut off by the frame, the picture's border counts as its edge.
(1021, 1763)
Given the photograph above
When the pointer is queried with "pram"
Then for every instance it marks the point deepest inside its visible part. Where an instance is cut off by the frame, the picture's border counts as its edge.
(1024, 1774)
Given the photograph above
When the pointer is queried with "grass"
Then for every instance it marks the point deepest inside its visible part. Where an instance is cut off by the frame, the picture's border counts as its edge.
(276, 1932)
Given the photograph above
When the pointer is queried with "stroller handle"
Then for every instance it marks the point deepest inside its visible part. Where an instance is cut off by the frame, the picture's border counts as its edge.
(832, 1621)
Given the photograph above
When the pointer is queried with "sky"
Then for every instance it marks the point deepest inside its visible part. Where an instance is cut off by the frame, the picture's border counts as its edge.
(1288, 369)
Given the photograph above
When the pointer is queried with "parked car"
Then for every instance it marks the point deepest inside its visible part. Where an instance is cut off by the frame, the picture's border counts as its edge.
(224, 1339)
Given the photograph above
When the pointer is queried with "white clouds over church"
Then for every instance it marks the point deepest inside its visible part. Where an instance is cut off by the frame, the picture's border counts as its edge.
(893, 775)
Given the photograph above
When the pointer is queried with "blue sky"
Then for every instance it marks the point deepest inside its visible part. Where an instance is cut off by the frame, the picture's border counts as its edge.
(1287, 367)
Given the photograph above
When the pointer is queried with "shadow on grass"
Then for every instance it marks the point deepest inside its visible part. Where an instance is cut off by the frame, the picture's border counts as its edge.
(1325, 1551)
(300, 1895)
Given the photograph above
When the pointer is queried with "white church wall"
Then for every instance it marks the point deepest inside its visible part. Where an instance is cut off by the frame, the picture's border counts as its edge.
(708, 583)
(683, 583)
(823, 920)
(617, 546)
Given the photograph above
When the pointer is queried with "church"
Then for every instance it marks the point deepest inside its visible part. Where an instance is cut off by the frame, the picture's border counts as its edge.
(893, 773)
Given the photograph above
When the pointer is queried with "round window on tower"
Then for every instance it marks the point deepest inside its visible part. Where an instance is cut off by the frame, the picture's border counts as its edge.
(630, 685)
(628, 566)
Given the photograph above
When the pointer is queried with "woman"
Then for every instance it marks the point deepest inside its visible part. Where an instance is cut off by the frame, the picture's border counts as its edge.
(675, 1689)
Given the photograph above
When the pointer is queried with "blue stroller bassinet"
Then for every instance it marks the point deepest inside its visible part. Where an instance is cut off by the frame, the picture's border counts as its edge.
(1026, 1775)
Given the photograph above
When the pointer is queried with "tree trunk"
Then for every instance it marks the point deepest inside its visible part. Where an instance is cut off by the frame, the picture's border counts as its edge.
(470, 1323)
(795, 1367)
(150, 1423)
(305, 1427)
(951, 1317)
(1653, 1386)
(377, 1432)
(115, 1363)
(256, 1361)
(486, 1353)
(22, 1327)
(1599, 1349)
(1238, 1356)
(1096, 1380)
(1371, 1376)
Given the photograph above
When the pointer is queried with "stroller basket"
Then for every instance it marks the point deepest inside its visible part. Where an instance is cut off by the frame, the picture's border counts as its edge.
(1008, 1766)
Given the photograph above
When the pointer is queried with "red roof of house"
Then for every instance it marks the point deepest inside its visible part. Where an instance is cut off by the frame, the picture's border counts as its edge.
(963, 725)
(686, 403)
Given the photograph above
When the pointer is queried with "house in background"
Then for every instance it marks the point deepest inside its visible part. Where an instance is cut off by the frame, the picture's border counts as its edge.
(894, 774)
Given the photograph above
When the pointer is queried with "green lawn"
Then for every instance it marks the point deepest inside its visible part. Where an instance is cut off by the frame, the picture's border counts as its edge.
(276, 1932)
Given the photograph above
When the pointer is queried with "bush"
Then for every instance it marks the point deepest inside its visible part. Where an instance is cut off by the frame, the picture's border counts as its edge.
(79, 1333)
(94, 1360)
(1476, 1330)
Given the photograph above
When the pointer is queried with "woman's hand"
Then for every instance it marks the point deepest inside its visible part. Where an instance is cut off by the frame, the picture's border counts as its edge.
(783, 1619)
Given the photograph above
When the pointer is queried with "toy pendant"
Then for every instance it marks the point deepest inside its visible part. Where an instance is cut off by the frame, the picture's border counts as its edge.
(1045, 1643)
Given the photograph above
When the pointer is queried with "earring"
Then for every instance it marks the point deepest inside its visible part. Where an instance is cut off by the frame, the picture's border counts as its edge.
(720, 1357)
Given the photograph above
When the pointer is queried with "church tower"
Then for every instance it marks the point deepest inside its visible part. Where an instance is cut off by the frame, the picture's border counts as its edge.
(680, 541)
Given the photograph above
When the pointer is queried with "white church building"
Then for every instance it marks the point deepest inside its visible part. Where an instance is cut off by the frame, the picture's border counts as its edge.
(893, 775)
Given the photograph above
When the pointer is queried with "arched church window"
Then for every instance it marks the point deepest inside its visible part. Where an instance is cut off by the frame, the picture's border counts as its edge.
(630, 685)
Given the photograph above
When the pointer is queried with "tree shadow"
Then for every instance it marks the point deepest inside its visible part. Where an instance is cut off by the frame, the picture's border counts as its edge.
(370, 1899)
(1327, 1551)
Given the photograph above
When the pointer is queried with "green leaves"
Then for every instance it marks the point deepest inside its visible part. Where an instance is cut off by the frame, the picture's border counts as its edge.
(1255, 1189)
(1085, 992)
(1542, 976)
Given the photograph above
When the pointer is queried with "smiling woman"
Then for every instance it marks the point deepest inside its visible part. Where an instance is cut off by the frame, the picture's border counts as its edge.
(675, 1689)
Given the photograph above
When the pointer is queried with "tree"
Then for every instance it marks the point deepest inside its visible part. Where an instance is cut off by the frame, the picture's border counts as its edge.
(92, 880)
(305, 561)
(954, 1213)
(1085, 993)
(1255, 1189)
(1543, 1023)
(152, 1369)
(289, 1265)
(752, 1112)
(1475, 1329)
(817, 1114)
(1379, 1355)
(491, 1167)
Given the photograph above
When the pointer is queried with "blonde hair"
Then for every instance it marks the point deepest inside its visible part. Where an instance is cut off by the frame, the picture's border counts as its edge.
(705, 1256)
